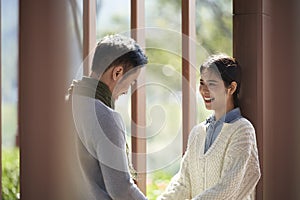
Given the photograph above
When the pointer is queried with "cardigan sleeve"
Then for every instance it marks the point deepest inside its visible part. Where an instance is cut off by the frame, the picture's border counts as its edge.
(241, 171)
(179, 187)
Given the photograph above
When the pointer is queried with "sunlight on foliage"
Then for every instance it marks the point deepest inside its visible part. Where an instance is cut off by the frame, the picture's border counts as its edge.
(10, 174)
(157, 183)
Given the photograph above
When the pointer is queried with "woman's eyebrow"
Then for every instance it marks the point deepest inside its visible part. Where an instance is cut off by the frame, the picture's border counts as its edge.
(212, 81)
(209, 81)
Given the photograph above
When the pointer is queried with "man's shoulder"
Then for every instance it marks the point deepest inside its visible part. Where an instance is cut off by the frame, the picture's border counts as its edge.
(106, 113)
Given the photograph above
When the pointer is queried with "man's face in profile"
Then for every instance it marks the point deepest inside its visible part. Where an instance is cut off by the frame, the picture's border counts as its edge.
(125, 82)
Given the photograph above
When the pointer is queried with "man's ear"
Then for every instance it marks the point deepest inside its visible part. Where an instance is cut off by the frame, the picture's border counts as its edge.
(232, 87)
(117, 72)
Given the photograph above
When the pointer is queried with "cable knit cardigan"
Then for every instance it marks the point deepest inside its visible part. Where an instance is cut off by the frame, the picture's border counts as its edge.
(228, 170)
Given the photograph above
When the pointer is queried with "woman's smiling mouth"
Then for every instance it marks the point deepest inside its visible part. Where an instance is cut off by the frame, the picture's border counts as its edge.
(208, 99)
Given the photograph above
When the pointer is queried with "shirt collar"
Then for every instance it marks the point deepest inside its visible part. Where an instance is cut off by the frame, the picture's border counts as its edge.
(229, 117)
(232, 115)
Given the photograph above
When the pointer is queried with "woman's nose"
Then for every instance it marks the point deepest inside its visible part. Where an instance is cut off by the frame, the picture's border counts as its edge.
(203, 88)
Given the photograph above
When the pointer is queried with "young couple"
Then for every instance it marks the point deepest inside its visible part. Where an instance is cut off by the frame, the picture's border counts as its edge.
(221, 160)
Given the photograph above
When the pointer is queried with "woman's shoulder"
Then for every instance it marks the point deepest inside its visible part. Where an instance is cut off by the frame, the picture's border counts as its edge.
(243, 122)
(241, 127)
(197, 130)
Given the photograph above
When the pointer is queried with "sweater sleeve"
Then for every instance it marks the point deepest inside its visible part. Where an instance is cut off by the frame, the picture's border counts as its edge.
(241, 168)
(179, 186)
(111, 153)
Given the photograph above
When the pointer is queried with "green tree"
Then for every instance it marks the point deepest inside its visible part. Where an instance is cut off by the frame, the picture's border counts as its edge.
(213, 23)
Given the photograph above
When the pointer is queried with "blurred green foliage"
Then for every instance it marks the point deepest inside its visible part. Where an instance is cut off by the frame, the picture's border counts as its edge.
(213, 22)
(157, 183)
(10, 174)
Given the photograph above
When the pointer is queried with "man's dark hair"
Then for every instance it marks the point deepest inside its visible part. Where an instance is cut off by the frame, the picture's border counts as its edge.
(117, 50)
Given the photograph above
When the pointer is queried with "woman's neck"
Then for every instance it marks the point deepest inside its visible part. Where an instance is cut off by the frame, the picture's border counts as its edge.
(220, 113)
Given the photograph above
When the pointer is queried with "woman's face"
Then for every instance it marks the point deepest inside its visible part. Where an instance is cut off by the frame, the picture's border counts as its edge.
(213, 91)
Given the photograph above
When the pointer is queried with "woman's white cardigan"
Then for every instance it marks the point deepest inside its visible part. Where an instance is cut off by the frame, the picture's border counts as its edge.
(228, 170)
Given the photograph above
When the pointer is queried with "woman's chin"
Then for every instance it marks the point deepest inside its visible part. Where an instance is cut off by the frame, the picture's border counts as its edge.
(208, 107)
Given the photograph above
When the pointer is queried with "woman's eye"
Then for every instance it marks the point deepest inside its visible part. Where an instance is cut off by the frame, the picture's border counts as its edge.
(212, 84)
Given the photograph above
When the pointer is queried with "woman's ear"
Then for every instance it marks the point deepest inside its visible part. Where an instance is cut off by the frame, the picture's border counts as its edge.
(117, 72)
(232, 87)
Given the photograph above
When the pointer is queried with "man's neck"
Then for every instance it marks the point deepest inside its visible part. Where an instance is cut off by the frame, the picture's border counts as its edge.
(104, 78)
(94, 75)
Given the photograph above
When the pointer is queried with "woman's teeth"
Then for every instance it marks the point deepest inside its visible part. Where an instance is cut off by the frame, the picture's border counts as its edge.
(209, 99)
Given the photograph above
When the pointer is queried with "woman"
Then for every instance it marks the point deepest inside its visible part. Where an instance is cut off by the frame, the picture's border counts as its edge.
(221, 160)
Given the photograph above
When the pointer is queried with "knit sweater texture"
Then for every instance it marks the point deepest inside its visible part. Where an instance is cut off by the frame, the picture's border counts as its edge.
(101, 150)
(228, 170)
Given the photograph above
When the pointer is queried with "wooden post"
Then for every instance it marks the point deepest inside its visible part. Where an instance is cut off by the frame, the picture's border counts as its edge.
(188, 68)
(138, 100)
(281, 114)
(266, 43)
(1, 102)
(89, 33)
(44, 64)
(251, 27)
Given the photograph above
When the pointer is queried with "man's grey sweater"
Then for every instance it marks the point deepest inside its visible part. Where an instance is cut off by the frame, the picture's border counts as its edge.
(102, 151)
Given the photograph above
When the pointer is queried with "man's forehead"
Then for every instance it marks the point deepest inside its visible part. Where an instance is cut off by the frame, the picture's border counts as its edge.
(134, 72)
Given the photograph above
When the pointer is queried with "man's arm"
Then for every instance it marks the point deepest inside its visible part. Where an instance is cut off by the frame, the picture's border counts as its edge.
(113, 161)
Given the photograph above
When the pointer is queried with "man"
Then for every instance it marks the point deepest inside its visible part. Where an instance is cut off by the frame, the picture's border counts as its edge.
(101, 144)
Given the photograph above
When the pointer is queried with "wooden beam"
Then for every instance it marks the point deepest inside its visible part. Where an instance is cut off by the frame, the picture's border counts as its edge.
(138, 100)
(89, 33)
(44, 61)
(281, 114)
(188, 68)
(1, 100)
(251, 47)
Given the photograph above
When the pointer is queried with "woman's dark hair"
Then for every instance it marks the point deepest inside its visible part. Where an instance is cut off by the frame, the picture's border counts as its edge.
(228, 68)
(114, 50)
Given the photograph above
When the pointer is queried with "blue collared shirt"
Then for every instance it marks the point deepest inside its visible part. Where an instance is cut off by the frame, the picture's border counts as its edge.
(214, 127)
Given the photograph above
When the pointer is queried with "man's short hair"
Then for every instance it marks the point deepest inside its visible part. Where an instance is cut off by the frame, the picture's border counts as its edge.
(117, 50)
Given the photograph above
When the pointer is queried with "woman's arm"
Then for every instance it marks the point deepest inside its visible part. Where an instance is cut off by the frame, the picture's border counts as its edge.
(179, 187)
(241, 168)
